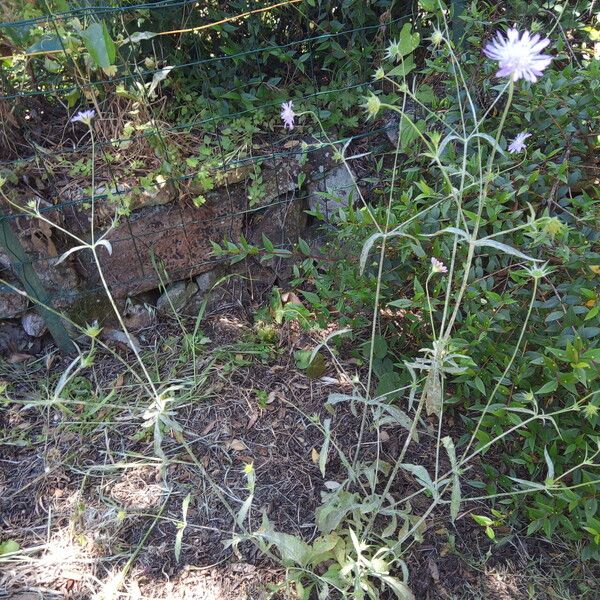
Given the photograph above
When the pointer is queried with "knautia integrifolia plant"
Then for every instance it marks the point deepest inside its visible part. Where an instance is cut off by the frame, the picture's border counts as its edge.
(366, 527)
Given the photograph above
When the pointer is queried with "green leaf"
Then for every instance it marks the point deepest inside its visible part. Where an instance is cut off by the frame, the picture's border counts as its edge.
(479, 385)
(48, 43)
(138, 36)
(554, 316)
(317, 366)
(548, 387)
(291, 548)
(455, 498)
(550, 464)
(422, 476)
(482, 520)
(304, 247)
(403, 69)
(505, 248)
(408, 40)
(389, 385)
(99, 44)
(428, 5)
(267, 243)
(8, 547)
(181, 526)
(401, 303)
(399, 588)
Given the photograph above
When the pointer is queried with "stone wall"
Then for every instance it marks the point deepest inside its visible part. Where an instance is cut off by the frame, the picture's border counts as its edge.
(167, 235)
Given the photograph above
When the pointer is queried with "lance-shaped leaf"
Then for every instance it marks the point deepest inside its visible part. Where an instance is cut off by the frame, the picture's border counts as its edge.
(455, 495)
(181, 525)
(364, 255)
(490, 139)
(505, 248)
(325, 449)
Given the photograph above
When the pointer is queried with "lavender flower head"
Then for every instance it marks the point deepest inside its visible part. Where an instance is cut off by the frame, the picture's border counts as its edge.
(84, 116)
(518, 144)
(437, 266)
(519, 55)
(288, 115)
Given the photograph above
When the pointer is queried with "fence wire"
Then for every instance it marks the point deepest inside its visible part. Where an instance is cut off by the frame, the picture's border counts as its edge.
(52, 153)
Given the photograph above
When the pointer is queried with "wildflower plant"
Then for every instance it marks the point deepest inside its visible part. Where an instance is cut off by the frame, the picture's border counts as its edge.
(469, 161)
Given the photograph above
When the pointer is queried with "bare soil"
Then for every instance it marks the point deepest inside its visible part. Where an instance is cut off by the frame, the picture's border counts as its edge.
(96, 514)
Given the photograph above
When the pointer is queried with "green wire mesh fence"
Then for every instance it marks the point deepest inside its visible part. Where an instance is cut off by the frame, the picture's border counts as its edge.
(188, 147)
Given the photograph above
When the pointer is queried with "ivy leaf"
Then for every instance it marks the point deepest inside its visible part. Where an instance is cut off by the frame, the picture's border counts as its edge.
(408, 40)
(99, 44)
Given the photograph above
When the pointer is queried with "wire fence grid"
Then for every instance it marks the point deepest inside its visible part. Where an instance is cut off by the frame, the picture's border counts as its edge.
(276, 147)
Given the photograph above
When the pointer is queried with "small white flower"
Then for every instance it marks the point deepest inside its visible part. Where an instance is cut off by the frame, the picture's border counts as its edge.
(519, 56)
(518, 144)
(288, 115)
(84, 116)
(437, 266)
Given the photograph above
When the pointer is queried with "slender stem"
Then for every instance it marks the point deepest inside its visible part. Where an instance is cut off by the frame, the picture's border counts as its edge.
(506, 370)
(482, 197)
(93, 192)
(117, 312)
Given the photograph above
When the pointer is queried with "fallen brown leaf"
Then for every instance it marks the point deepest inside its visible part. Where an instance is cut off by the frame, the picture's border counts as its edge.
(252, 420)
(209, 427)
(433, 569)
(237, 445)
(18, 357)
(314, 455)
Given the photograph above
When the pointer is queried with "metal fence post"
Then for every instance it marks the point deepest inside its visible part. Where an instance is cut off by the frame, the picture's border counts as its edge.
(33, 286)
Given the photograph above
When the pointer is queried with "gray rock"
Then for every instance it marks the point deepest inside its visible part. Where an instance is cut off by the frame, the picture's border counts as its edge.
(205, 281)
(391, 120)
(176, 296)
(337, 182)
(12, 304)
(33, 324)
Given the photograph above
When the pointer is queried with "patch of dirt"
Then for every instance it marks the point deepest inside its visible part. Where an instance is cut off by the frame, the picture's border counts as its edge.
(97, 496)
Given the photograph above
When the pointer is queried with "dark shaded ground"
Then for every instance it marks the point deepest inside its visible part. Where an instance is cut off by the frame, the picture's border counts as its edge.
(83, 494)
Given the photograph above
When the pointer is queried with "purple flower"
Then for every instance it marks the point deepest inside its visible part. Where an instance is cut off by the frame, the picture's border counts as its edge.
(518, 144)
(84, 116)
(519, 56)
(288, 115)
(437, 266)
